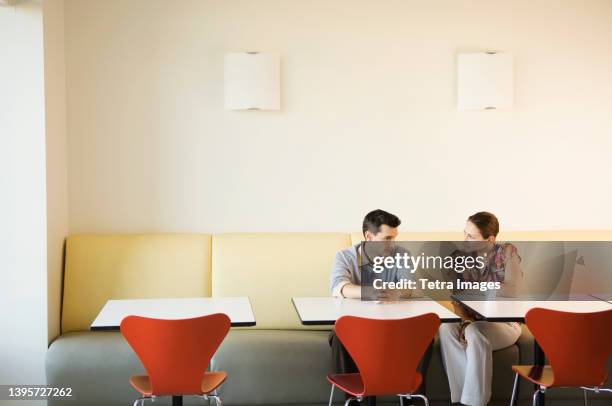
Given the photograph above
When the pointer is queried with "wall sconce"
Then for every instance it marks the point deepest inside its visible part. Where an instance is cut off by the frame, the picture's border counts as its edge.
(484, 81)
(252, 81)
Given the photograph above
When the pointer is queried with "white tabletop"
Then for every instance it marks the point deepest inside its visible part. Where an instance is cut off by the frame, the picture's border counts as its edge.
(238, 309)
(314, 311)
(514, 310)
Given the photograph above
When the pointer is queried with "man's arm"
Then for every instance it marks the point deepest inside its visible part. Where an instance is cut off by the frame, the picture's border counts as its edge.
(350, 291)
(342, 283)
(407, 275)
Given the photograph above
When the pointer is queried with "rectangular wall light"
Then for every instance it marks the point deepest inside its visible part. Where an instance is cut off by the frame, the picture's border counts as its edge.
(252, 81)
(485, 81)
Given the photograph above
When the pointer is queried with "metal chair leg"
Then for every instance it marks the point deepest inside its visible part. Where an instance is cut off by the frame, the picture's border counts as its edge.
(217, 399)
(513, 398)
(541, 389)
(401, 400)
(586, 400)
(422, 397)
(331, 395)
(349, 401)
(596, 389)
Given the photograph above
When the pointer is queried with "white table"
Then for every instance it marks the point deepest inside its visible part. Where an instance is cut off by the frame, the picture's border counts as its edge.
(317, 311)
(238, 309)
(515, 310)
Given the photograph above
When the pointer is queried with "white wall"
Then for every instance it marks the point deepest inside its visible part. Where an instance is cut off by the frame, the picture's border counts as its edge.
(56, 153)
(23, 276)
(368, 115)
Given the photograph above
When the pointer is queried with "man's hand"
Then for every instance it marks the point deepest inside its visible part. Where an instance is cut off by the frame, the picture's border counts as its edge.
(385, 296)
(393, 295)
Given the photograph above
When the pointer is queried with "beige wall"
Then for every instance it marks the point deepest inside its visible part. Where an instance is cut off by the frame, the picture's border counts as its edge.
(135, 127)
(23, 276)
(57, 174)
(368, 116)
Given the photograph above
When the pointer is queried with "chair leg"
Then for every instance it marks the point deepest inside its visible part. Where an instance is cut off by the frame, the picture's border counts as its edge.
(401, 400)
(349, 401)
(586, 400)
(513, 398)
(331, 395)
(422, 397)
(541, 389)
(217, 399)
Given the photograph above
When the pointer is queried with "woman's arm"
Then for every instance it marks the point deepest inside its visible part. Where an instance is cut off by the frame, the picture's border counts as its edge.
(463, 312)
(513, 278)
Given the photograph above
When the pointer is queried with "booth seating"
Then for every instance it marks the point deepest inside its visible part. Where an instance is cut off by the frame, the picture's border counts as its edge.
(277, 362)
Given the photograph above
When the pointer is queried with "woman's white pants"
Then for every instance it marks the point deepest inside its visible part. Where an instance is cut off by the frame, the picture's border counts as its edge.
(469, 365)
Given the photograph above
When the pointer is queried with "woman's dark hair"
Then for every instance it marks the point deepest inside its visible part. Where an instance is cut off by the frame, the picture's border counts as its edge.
(487, 223)
(376, 218)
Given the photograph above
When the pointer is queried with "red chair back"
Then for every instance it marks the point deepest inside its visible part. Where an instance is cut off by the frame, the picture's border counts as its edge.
(577, 345)
(175, 353)
(387, 352)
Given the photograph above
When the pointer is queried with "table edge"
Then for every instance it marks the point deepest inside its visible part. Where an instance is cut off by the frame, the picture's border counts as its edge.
(116, 328)
(333, 322)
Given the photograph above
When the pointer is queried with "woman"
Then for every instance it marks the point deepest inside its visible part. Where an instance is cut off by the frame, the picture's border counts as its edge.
(467, 347)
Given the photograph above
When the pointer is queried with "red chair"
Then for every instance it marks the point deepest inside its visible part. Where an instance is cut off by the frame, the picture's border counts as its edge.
(387, 353)
(175, 354)
(577, 345)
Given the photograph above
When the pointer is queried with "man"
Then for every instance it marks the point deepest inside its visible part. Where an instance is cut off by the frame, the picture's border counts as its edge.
(378, 225)
(346, 279)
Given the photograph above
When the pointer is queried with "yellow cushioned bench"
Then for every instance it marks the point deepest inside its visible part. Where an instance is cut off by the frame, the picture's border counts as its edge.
(103, 267)
(269, 268)
(272, 268)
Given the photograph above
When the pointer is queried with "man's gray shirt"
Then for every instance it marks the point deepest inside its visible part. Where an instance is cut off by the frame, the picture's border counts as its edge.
(346, 270)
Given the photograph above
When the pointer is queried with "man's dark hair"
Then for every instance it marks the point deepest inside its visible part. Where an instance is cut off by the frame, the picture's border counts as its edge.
(376, 218)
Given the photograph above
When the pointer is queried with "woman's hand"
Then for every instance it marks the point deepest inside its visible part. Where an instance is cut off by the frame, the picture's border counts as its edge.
(462, 312)
(464, 325)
